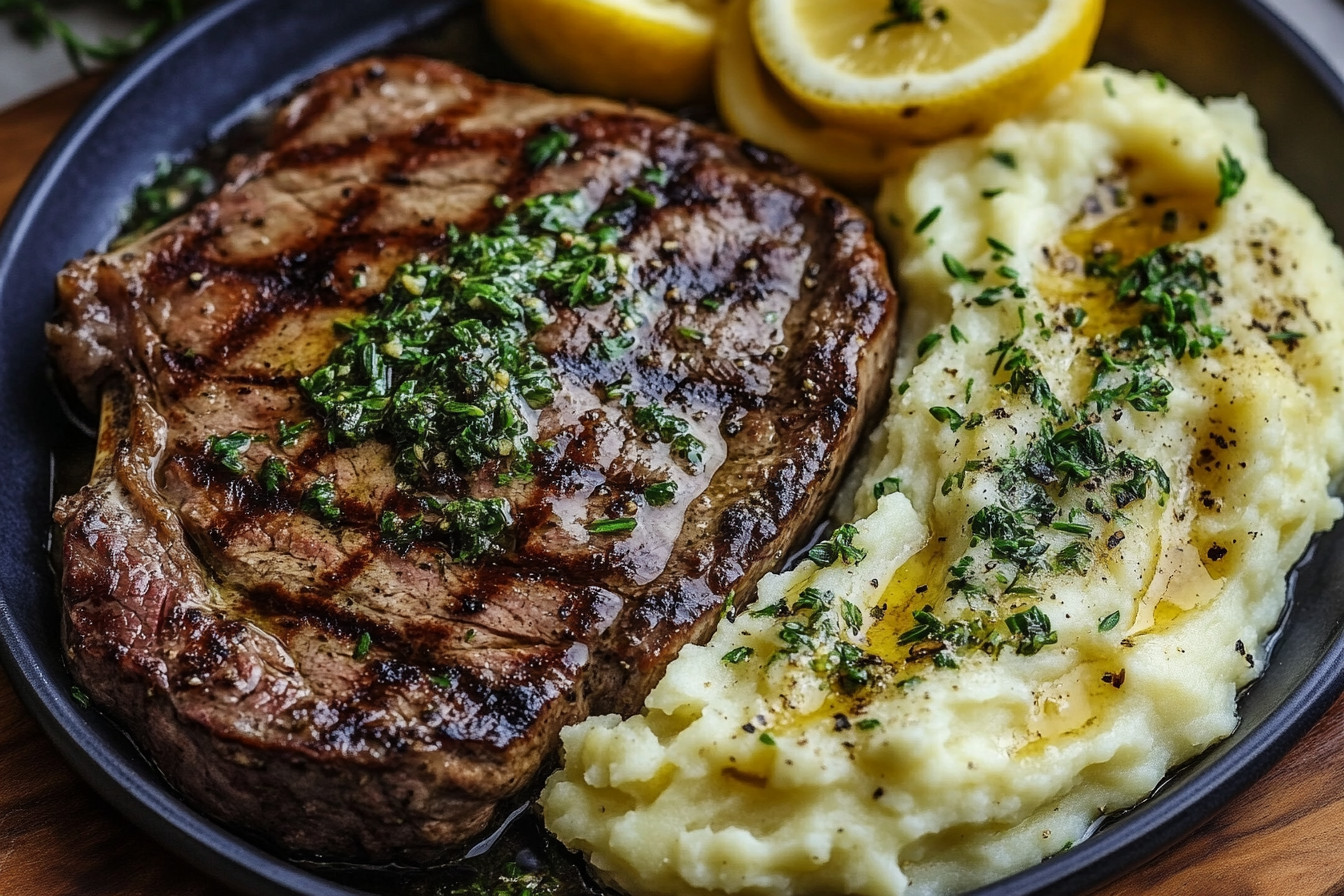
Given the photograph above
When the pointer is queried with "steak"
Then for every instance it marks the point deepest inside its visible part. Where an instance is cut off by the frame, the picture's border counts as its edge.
(335, 676)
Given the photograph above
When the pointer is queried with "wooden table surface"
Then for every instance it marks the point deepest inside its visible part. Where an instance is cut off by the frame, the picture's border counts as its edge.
(58, 838)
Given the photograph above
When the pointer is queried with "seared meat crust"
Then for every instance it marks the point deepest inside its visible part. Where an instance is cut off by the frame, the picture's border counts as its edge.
(221, 624)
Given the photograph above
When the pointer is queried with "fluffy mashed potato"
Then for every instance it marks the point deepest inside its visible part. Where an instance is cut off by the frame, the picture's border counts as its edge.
(1116, 417)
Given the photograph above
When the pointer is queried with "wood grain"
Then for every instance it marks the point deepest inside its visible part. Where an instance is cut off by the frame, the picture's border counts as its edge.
(58, 838)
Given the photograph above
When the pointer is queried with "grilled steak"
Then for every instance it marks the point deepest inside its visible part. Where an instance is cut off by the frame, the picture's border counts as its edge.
(264, 600)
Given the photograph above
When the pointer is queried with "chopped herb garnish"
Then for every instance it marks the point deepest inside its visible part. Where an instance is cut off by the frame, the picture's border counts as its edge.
(813, 629)
(657, 423)
(660, 493)
(1287, 336)
(890, 485)
(691, 333)
(767, 739)
(609, 348)
(288, 433)
(958, 271)
(607, 527)
(1175, 284)
(1004, 158)
(1032, 631)
(228, 450)
(927, 343)
(273, 475)
(549, 146)
(991, 193)
(362, 645)
(1231, 176)
(319, 501)
(947, 415)
(839, 546)
(1000, 248)
(175, 187)
(443, 681)
(928, 219)
(870, 724)
(737, 655)
(78, 695)
(1109, 622)
(1110, 87)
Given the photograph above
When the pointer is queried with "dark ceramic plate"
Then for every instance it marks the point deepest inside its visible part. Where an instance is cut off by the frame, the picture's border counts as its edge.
(205, 77)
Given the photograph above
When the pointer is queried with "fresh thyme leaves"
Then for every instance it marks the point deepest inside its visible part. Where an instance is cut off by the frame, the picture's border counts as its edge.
(80, 697)
(927, 343)
(228, 450)
(1231, 176)
(839, 546)
(1143, 391)
(813, 630)
(1004, 158)
(1109, 622)
(737, 655)
(1174, 283)
(658, 424)
(548, 147)
(1027, 632)
(1031, 630)
(174, 188)
(958, 271)
(928, 219)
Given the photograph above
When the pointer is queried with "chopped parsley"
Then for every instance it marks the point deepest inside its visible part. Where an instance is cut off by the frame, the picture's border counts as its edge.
(608, 527)
(319, 501)
(288, 433)
(228, 450)
(657, 423)
(273, 475)
(362, 645)
(660, 493)
(548, 147)
(887, 486)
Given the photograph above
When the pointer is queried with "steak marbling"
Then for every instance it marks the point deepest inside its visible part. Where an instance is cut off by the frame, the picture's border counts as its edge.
(222, 625)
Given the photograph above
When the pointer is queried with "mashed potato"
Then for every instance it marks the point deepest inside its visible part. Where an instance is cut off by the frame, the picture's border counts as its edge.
(1117, 415)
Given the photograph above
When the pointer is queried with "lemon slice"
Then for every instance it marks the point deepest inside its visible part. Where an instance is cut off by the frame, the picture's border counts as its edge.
(754, 106)
(922, 69)
(659, 51)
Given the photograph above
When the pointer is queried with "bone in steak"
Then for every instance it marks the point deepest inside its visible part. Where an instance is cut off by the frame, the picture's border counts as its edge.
(295, 673)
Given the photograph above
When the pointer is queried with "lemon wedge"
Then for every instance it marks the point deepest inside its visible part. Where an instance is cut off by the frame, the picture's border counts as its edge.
(922, 69)
(754, 106)
(658, 51)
